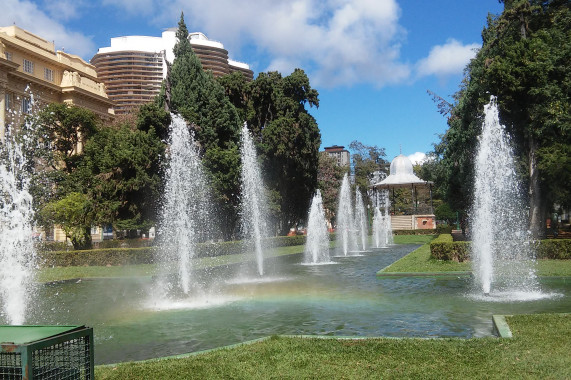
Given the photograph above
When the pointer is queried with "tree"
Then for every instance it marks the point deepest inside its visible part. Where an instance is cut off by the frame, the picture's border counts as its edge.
(524, 61)
(74, 214)
(124, 176)
(366, 161)
(329, 177)
(66, 128)
(202, 102)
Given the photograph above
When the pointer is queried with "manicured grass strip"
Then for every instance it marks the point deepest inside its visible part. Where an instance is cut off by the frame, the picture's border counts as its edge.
(539, 349)
(413, 239)
(419, 261)
(68, 273)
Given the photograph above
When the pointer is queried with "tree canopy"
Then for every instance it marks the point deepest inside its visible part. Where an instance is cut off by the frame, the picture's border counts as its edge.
(524, 61)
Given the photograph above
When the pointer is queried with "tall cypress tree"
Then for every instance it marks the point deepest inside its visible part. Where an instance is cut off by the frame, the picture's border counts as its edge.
(202, 102)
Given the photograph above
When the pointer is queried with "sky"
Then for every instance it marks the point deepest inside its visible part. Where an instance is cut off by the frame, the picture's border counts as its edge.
(372, 61)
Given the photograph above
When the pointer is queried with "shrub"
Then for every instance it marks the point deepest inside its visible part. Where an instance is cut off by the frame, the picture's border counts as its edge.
(443, 229)
(146, 255)
(559, 249)
(414, 232)
(444, 248)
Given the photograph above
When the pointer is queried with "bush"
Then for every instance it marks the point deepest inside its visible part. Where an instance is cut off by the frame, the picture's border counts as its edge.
(414, 232)
(146, 255)
(444, 248)
(559, 249)
(443, 229)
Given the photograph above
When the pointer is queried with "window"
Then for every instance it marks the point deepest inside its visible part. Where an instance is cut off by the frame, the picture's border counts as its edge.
(48, 74)
(8, 101)
(8, 55)
(26, 105)
(28, 66)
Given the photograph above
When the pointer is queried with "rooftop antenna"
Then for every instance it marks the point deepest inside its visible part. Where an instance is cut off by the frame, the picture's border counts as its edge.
(400, 148)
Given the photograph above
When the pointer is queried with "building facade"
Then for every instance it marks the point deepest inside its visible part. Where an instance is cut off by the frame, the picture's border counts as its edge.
(340, 154)
(33, 73)
(133, 67)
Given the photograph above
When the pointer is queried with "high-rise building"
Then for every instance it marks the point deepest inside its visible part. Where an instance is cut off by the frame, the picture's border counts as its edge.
(340, 154)
(133, 67)
(33, 73)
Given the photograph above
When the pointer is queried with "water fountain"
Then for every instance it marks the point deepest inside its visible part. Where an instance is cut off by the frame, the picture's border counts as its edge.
(254, 213)
(185, 209)
(382, 229)
(17, 253)
(361, 219)
(501, 252)
(346, 240)
(317, 244)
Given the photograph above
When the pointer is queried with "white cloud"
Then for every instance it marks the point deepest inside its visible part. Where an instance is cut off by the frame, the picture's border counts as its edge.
(417, 158)
(447, 59)
(63, 9)
(27, 15)
(337, 42)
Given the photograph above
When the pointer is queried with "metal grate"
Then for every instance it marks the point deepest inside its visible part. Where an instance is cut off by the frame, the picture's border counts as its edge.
(68, 360)
(10, 366)
(67, 355)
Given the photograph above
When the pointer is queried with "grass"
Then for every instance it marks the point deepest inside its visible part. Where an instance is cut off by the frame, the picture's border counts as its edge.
(539, 349)
(419, 261)
(68, 273)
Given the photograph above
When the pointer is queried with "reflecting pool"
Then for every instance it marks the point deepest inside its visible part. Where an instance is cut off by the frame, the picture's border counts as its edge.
(345, 298)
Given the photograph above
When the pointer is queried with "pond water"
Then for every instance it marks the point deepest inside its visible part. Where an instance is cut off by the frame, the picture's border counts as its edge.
(341, 299)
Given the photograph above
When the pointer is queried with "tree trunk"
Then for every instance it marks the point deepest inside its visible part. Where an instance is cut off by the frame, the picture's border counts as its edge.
(537, 208)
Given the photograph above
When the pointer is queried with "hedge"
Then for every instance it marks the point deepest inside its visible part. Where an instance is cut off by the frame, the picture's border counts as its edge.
(559, 249)
(146, 255)
(444, 248)
(414, 232)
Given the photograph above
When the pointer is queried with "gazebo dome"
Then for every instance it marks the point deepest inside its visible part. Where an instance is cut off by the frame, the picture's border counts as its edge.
(401, 165)
(401, 175)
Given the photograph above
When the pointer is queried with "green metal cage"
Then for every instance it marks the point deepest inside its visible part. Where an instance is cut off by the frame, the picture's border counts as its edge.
(46, 353)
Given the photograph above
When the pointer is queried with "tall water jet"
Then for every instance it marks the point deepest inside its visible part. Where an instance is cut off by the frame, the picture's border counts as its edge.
(254, 213)
(317, 244)
(503, 258)
(382, 229)
(361, 219)
(17, 253)
(346, 239)
(186, 205)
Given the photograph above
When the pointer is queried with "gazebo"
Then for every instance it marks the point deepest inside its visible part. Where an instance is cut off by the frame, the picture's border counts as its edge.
(402, 177)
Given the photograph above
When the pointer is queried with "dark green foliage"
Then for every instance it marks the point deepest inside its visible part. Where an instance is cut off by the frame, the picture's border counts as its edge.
(289, 141)
(445, 212)
(524, 61)
(329, 178)
(146, 255)
(559, 249)
(366, 160)
(443, 248)
(125, 171)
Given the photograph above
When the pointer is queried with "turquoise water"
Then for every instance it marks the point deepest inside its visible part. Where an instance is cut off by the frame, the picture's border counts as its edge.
(340, 299)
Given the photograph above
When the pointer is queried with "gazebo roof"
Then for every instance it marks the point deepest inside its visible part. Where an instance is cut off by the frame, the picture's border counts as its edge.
(401, 175)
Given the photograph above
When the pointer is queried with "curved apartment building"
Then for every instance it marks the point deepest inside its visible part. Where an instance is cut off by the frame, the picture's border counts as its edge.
(133, 67)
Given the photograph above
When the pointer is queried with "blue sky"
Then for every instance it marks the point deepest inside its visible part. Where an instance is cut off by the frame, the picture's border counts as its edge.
(372, 61)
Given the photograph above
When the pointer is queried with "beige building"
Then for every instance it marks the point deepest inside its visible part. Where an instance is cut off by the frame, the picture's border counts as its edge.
(33, 73)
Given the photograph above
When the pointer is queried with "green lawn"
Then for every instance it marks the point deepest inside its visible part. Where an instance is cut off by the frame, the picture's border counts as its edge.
(539, 350)
(419, 261)
(67, 273)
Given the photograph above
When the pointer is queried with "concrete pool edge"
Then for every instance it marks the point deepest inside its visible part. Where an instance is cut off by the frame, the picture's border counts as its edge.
(501, 327)
(423, 274)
